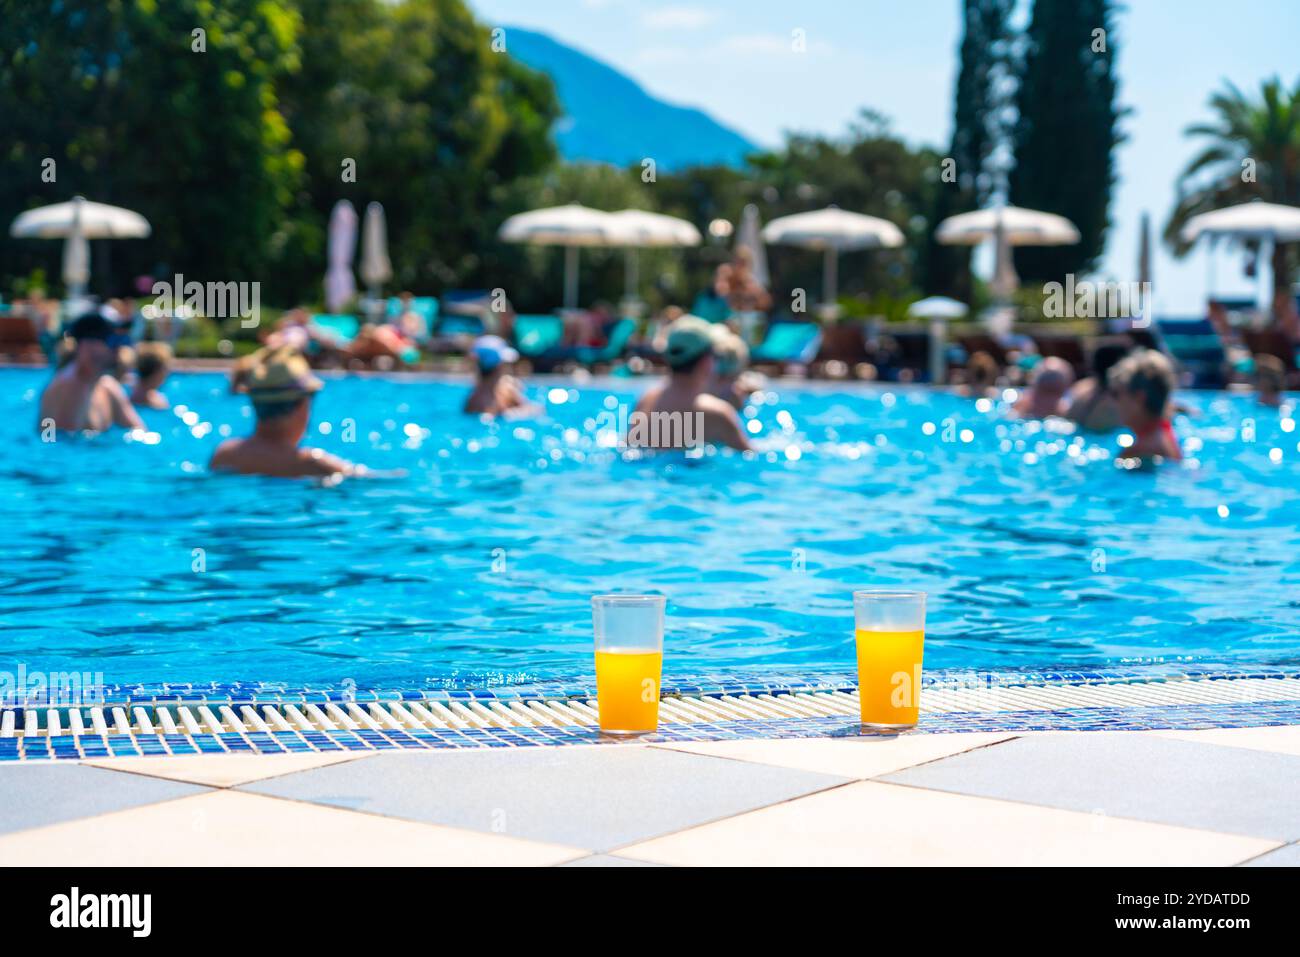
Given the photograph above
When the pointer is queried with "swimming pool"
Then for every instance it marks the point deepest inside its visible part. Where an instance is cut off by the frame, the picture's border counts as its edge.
(124, 557)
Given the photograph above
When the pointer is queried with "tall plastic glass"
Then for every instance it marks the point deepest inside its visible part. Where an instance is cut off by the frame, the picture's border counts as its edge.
(890, 633)
(629, 661)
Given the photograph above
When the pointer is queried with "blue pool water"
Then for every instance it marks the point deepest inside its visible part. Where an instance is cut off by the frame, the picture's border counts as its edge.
(478, 566)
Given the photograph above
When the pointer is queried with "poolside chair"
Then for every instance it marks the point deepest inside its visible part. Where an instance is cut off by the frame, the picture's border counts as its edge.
(1062, 346)
(344, 328)
(1196, 346)
(711, 308)
(1270, 342)
(538, 335)
(788, 343)
(20, 339)
(616, 340)
(981, 342)
(910, 350)
(426, 307)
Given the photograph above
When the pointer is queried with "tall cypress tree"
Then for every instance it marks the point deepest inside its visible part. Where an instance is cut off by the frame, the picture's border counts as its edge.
(979, 108)
(1066, 130)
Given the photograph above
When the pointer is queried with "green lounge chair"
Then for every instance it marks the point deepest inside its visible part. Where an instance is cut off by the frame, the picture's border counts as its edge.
(711, 308)
(620, 334)
(537, 335)
(1196, 345)
(788, 342)
(341, 327)
(426, 307)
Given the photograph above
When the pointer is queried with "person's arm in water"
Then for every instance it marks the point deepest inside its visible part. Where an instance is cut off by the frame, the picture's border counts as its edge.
(124, 413)
(722, 424)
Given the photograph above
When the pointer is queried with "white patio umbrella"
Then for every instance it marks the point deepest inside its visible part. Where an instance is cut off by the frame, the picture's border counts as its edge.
(1256, 220)
(751, 237)
(340, 284)
(78, 221)
(572, 227)
(376, 269)
(1007, 226)
(639, 229)
(937, 307)
(832, 230)
(1020, 227)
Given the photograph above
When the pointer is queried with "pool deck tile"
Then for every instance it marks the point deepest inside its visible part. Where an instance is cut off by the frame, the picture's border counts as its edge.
(224, 770)
(231, 828)
(592, 797)
(856, 758)
(1288, 856)
(38, 795)
(609, 860)
(872, 823)
(1143, 777)
(1280, 740)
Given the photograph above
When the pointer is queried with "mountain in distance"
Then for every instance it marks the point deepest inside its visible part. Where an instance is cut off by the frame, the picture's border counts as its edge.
(609, 118)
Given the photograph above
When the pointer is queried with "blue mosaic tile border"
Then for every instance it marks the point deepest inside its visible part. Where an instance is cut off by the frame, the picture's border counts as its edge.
(258, 692)
(1176, 717)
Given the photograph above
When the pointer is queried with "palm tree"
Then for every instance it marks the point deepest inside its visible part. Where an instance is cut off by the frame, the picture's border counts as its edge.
(1253, 153)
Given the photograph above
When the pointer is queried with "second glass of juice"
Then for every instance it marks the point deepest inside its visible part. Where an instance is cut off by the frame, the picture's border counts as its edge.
(890, 632)
(629, 661)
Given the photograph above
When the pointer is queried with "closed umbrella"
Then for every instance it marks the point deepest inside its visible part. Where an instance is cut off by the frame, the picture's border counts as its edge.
(751, 237)
(572, 226)
(340, 284)
(639, 229)
(833, 230)
(376, 269)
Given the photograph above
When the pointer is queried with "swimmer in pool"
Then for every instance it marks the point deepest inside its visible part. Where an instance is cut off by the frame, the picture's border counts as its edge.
(730, 359)
(1046, 393)
(1091, 405)
(496, 391)
(153, 363)
(281, 387)
(1142, 385)
(666, 416)
(83, 396)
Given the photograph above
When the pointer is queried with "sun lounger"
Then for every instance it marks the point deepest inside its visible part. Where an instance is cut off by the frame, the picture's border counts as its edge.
(1196, 346)
(620, 334)
(1270, 342)
(1067, 347)
(711, 308)
(788, 343)
(20, 339)
(341, 327)
(538, 335)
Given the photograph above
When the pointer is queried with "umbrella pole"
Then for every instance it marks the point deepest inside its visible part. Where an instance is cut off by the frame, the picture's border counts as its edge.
(570, 277)
(830, 277)
(631, 274)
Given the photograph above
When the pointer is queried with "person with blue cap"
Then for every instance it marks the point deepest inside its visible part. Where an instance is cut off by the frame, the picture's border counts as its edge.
(496, 391)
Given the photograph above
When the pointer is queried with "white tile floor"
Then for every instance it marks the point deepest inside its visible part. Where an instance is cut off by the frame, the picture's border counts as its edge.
(918, 799)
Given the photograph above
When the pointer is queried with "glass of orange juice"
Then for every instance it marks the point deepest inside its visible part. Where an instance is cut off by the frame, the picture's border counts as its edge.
(629, 661)
(890, 632)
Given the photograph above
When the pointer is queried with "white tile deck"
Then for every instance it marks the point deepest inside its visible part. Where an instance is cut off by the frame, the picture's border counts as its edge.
(1082, 798)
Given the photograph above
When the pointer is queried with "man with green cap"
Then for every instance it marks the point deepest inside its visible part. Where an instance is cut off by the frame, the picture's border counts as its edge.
(280, 386)
(684, 398)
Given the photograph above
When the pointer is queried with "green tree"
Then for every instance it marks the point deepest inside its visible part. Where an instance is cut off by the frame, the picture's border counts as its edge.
(1066, 130)
(132, 113)
(1252, 151)
(437, 122)
(980, 106)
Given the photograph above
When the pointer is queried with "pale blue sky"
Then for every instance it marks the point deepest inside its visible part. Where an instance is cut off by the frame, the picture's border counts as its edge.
(733, 59)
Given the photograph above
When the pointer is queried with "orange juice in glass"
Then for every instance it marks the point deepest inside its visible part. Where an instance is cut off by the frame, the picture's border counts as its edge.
(629, 661)
(890, 632)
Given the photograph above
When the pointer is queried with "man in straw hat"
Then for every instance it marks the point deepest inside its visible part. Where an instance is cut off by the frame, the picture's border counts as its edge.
(280, 386)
